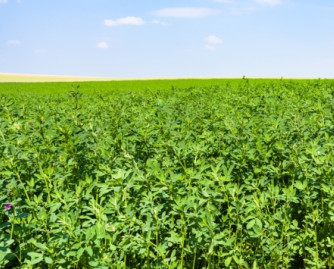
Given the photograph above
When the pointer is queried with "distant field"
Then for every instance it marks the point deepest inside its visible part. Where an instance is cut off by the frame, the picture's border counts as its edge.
(9, 77)
(17, 83)
(21, 83)
(6, 77)
(118, 85)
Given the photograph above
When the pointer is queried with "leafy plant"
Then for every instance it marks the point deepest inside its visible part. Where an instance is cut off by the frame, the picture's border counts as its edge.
(237, 174)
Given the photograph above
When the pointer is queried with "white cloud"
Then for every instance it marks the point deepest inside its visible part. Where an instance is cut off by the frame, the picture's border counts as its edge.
(124, 21)
(160, 22)
(209, 47)
(3, 1)
(13, 42)
(102, 45)
(268, 2)
(212, 39)
(186, 12)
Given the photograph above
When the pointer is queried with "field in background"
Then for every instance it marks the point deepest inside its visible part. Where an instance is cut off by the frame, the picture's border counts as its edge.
(37, 84)
(115, 85)
(7, 77)
(192, 173)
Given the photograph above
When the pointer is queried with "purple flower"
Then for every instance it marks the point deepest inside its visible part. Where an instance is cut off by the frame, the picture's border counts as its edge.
(8, 207)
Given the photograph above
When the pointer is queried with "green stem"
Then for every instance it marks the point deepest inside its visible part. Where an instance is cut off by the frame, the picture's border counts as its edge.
(183, 240)
(194, 260)
(12, 224)
(24, 189)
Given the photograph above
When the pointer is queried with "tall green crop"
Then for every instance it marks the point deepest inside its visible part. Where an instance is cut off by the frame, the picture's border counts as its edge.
(236, 175)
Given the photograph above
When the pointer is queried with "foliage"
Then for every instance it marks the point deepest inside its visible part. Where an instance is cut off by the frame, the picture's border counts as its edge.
(236, 175)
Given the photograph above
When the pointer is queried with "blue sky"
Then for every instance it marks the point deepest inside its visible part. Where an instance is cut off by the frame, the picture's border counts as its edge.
(149, 38)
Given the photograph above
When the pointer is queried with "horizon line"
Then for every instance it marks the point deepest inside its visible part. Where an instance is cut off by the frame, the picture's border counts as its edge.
(26, 77)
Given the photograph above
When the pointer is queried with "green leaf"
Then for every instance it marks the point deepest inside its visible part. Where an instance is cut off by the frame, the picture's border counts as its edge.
(258, 223)
(89, 250)
(229, 241)
(250, 224)
(299, 185)
(236, 259)
(219, 236)
(228, 261)
(112, 247)
(3, 253)
(48, 260)
(80, 252)
(35, 257)
(93, 263)
(41, 246)
(9, 242)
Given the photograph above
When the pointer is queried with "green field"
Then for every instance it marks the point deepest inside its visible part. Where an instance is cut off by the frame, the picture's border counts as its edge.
(189, 173)
(118, 85)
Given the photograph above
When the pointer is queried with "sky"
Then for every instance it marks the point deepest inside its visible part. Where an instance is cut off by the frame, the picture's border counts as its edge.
(175, 38)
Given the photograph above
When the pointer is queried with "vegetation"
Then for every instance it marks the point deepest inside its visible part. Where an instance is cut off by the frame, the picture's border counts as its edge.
(167, 174)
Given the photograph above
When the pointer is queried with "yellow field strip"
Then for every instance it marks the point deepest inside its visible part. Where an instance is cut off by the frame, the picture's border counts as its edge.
(10, 77)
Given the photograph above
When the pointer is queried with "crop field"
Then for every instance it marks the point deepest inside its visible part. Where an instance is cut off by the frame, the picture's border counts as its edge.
(234, 173)
(9, 77)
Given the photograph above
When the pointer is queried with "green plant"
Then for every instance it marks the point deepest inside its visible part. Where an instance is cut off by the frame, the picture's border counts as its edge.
(235, 174)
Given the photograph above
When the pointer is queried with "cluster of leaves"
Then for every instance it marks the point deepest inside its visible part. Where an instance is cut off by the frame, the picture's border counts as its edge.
(234, 176)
